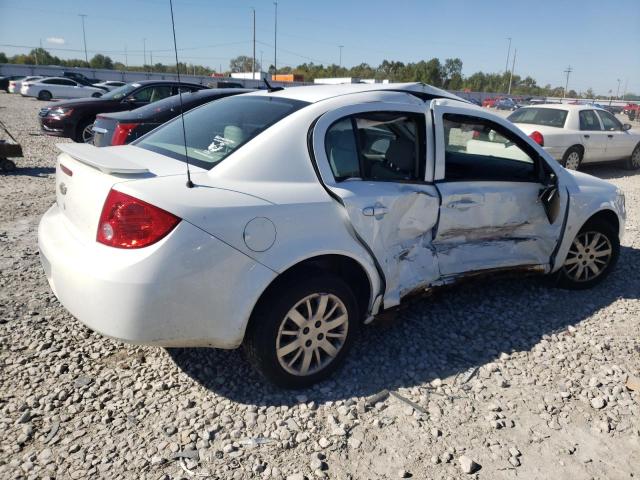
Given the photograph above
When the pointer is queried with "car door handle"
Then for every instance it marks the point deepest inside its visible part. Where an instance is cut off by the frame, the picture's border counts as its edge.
(464, 203)
(376, 211)
(587, 136)
(610, 136)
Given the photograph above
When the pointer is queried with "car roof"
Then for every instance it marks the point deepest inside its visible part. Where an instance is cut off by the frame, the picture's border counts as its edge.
(317, 93)
(147, 82)
(564, 106)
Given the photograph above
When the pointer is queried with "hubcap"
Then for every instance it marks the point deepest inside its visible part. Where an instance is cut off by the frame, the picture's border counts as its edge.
(573, 161)
(87, 134)
(312, 333)
(588, 257)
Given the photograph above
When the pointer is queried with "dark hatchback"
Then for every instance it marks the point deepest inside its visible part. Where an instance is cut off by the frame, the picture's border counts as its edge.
(74, 118)
(125, 127)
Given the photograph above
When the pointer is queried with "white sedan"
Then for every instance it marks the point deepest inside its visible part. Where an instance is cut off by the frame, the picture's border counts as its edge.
(59, 87)
(307, 212)
(110, 84)
(16, 85)
(577, 134)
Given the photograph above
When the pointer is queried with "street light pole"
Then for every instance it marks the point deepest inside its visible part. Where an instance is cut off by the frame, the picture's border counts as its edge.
(144, 52)
(506, 65)
(275, 42)
(253, 66)
(84, 37)
(340, 47)
(618, 90)
(513, 66)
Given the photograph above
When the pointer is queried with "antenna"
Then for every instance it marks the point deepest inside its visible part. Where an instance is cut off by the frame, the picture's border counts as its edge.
(270, 88)
(184, 132)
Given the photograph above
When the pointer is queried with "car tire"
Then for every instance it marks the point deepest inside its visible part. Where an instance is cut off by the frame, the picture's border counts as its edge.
(7, 165)
(83, 132)
(572, 158)
(45, 95)
(289, 311)
(633, 162)
(96, 95)
(595, 247)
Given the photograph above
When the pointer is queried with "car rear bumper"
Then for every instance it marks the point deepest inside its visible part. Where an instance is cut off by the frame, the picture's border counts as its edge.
(556, 152)
(189, 289)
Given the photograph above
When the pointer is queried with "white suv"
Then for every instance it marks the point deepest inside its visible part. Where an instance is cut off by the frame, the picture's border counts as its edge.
(312, 210)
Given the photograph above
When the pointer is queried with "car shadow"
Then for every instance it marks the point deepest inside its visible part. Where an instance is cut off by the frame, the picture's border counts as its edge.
(32, 172)
(456, 330)
(608, 171)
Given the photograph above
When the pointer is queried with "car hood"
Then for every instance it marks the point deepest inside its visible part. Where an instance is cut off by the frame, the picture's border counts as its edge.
(585, 181)
(81, 102)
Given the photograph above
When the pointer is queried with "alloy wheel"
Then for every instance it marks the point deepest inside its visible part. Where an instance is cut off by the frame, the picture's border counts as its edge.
(573, 161)
(635, 158)
(312, 334)
(589, 256)
(87, 134)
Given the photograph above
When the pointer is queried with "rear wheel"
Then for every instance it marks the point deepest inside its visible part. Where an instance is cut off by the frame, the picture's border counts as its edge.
(572, 158)
(303, 330)
(45, 95)
(7, 165)
(633, 162)
(592, 255)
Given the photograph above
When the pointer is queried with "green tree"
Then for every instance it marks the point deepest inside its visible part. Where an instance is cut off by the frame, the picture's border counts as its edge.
(243, 63)
(3, 58)
(101, 61)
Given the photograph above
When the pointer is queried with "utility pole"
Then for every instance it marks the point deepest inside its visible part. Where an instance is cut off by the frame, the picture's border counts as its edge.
(626, 84)
(340, 47)
(144, 52)
(253, 67)
(38, 51)
(506, 65)
(261, 64)
(126, 58)
(618, 90)
(275, 42)
(513, 66)
(151, 59)
(84, 37)
(566, 85)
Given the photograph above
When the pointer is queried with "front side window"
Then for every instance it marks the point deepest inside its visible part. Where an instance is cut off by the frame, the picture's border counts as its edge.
(382, 146)
(479, 149)
(152, 94)
(609, 122)
(217, 129)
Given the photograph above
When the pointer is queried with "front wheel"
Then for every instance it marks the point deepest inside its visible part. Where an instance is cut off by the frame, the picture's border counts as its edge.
(592, 255)
(84, 132)
(303, 330)
(45, 95)
(633, 162)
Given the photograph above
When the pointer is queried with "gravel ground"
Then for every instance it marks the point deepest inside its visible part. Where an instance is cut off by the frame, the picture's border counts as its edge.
(503, 378)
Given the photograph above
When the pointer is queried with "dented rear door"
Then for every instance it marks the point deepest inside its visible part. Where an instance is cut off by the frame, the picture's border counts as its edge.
(491, 215)
(363, 155)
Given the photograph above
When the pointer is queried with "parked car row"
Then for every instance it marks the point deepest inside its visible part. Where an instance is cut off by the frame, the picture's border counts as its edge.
(315, 209)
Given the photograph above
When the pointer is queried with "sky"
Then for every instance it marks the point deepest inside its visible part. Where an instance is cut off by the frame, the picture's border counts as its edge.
(600, 40)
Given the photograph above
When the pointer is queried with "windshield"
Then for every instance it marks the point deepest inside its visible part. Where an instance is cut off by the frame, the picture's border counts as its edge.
(551, 117)
(217, 129)
(121, 92)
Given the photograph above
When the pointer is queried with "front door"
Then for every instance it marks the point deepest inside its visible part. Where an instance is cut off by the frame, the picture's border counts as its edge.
(495, 212)
(620, 144)
(594, 139)
(373, 158)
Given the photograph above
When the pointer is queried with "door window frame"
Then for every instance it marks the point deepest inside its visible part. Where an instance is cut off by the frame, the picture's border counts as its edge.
(597, 118)
(604, 114)
(419, 169)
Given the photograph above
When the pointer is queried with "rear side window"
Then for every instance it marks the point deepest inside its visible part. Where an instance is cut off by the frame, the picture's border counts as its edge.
(217, 129)
(382, 146)
(551, 117)
(589, 120)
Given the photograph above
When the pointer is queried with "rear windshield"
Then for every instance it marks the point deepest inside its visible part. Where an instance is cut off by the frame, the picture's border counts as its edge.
(551, 117)
(217, 129)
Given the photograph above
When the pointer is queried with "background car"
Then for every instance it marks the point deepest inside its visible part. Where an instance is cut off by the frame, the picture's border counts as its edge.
(4, 81)
(576, 134)
(310, 210)
(125, 127)
(15, 85)
(58, 87)
(81, 78)
(506, 104)
(490, 102)
(110, 84)
(74, 119)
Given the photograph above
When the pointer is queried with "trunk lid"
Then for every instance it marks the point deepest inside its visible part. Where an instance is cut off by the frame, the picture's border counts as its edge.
(85, 174)
(103, 129)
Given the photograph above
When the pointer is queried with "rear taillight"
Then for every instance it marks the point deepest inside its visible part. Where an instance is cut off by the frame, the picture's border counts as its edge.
(537, 137)
(122, 132)
(127, 222)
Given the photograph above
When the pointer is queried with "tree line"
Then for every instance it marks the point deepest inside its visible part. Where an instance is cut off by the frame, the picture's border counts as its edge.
(447, 74)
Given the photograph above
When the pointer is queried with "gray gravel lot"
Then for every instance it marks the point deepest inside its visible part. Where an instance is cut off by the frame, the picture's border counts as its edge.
(502, 378)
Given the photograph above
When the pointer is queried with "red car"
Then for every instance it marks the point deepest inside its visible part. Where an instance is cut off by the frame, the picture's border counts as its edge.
(490, 102)
(631, 107)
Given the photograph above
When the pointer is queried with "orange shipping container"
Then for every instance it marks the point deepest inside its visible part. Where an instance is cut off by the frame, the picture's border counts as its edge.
(287, 77)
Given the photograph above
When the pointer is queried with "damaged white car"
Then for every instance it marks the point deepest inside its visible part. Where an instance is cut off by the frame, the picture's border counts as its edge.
(312, 209)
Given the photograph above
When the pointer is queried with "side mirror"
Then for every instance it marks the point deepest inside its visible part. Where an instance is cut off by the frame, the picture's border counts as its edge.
(130, 99)
(626, 127)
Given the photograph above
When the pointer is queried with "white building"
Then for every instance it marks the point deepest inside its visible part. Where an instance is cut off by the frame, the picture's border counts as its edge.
(249, 75)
